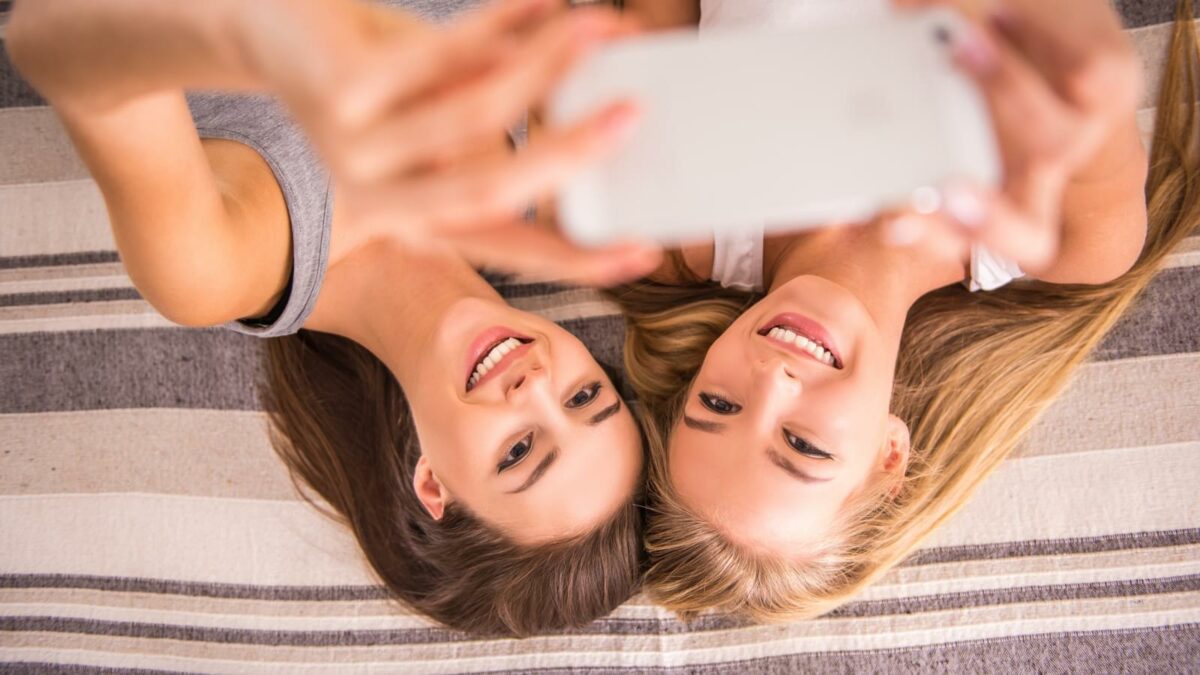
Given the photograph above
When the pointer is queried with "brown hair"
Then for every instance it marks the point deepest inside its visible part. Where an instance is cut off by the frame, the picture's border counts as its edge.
(975, 371)
(341, 424)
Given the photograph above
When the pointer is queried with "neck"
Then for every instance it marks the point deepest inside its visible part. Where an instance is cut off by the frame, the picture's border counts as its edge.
(887, 280)
(393, 302)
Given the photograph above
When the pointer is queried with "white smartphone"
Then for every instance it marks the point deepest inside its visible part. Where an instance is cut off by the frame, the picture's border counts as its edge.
(784, 130)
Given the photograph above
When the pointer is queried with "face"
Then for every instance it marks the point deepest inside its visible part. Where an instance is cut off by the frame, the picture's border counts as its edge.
(788, 418)
(519, 423)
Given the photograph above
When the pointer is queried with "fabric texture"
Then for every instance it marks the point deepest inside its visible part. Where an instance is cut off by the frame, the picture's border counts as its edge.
(738, 258)
(146, 524)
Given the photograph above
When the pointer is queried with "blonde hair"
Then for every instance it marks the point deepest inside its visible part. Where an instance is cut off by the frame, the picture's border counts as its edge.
(975, 372)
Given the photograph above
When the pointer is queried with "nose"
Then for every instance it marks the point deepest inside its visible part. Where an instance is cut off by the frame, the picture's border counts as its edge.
(776, 374)
(527, 383)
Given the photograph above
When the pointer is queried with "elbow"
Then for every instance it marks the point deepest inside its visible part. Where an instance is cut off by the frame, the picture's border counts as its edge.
(196, 300)
(188, 313)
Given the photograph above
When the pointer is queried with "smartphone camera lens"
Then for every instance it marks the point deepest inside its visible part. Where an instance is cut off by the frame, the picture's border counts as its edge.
(942, 35)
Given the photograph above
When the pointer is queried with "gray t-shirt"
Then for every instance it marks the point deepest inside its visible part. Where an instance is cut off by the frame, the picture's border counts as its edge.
(263, 124)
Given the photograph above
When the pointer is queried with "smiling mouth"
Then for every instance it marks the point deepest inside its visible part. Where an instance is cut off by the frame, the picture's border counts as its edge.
(804, 337)
(495, 358)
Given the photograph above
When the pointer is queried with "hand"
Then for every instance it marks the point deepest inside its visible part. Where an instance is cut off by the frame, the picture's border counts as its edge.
(1059, 78)
(411, 119)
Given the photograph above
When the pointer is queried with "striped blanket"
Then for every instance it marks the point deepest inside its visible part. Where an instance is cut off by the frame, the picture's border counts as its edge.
(146, 524)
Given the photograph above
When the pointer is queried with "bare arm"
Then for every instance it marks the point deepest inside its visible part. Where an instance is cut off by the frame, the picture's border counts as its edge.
(1104, 214)
(201, 228)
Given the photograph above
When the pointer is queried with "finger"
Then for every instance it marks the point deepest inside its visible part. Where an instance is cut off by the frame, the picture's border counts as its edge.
(506, 183)
(935, 233)
(481, 108)
(1080, 48)
(536, 253)
(1028, 237)
(1037, 129)
(419, 63)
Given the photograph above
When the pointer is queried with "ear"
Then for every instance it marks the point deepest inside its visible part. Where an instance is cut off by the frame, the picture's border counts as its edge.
(429, 489)
(895, 450)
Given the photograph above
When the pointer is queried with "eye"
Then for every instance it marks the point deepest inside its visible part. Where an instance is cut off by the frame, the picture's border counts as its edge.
(804, 447)
(516, 453)
(585, 395)
(719, 405)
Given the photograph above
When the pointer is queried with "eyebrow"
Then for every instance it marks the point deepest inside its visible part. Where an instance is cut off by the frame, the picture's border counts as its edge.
(604, 414)
(783, 463)
(703, 425)
(541, 469)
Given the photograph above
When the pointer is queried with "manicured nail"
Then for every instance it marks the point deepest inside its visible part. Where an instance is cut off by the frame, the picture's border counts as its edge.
(965, 206)
(975, 49)
(621, 122)
(903, 231)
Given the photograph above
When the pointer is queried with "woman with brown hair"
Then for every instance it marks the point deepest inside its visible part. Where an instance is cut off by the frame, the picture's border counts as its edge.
(483, 459)
(839, 397)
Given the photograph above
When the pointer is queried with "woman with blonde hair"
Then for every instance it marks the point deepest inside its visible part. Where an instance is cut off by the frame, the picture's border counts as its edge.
(841, 393)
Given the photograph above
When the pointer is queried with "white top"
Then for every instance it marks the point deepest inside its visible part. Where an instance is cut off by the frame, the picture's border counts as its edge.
(737, 256)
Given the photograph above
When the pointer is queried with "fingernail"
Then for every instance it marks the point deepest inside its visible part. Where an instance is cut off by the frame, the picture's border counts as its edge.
(621, 122)
(965, 206)
(975, 49)
(904, 231)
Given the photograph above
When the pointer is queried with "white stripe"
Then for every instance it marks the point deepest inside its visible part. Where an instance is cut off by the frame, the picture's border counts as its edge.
(203, 539)
(1098, 493)
(66, 278)
(61, 217)
(107, 314)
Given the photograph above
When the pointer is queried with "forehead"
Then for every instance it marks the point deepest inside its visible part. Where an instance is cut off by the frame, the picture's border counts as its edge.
(729, 481)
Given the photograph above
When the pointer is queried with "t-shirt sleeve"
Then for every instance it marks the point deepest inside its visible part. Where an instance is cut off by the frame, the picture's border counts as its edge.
(263, 124)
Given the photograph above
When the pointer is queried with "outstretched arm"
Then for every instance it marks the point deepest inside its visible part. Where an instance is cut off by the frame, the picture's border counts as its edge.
(201, 226)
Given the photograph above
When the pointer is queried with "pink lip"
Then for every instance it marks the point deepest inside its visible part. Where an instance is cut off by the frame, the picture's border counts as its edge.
(810, 329)
(484, 342)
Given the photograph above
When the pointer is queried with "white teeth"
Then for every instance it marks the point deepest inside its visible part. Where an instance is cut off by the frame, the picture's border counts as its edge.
(785, 335)
(493, 357)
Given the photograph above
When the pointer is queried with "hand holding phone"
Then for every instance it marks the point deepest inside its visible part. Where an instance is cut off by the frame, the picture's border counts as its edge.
(784, 129)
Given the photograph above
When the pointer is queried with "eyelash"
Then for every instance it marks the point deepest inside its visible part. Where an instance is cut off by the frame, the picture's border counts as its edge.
(804, 447)
(715, 403)
(509, 461)
(592, 390)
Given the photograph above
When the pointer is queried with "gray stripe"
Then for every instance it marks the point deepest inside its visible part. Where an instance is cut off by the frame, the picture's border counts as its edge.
(172, 368)
(1139, 13)
(194, 589)
(15, 92)
(65, 297)
(1167, 649)
(56, 259)
(33, 668)
(1052, 547)
(610, 626)
(1162, 322)
(154, 368)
